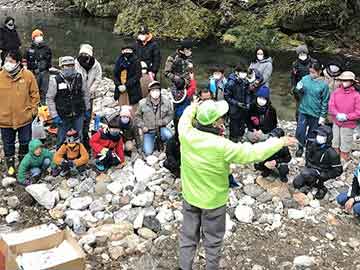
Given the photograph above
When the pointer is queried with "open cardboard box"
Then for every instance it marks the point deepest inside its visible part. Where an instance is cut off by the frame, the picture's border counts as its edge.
(9, 252)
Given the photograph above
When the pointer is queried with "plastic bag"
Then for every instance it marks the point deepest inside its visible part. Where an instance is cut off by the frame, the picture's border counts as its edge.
(38, 129)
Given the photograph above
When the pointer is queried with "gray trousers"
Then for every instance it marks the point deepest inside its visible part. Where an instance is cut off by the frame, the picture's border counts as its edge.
(204, 223)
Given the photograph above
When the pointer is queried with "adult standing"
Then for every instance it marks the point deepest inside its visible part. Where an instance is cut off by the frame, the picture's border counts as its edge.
(9, 38)
(67, 99)
(148, 51)
(314, 93)
(38, 58)
(19, 95)
(205, 160)
(91, 72)
(263, 64)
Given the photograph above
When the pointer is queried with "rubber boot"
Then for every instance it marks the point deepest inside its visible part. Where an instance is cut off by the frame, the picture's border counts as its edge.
(23, 150)
(10, 166)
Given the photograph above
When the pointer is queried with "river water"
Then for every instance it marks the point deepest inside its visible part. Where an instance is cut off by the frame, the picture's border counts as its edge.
(65, 33)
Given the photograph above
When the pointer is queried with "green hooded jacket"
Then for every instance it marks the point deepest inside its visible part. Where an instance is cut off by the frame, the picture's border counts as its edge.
(206, 159)
(31, 160)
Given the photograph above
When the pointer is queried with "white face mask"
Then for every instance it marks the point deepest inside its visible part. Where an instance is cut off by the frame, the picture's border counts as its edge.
(241, 75)
(320, 139)
(144, 71)
(334, 68)
(187, 52)
(8, 66)
(347, 84)
(38, 39)
(217, 76)
(10, 25)
(142, 37)
(260, 57)
(155, 94)
(303, 56)
(261, 101)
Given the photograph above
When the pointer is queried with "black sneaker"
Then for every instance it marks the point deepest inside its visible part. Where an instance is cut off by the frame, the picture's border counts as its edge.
(320, 194)
(299, 152)
(265, 173)
(284, 179)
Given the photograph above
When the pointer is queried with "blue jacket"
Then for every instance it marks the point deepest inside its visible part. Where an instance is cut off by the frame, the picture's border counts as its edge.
(217, 87)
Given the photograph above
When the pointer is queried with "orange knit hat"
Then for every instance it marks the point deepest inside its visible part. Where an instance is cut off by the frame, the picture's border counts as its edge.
(36, 33)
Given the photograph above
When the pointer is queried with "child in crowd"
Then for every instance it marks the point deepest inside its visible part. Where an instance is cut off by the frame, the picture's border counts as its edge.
(35, 163)
(71, 156)
(217, 82)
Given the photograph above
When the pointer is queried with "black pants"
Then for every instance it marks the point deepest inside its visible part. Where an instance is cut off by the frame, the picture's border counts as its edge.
(86, 128)
(8, 136)
(237, 128)
(282, 168)
(42, 79)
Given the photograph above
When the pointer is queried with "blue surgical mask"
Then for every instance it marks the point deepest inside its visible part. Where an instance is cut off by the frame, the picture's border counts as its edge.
(68, 71)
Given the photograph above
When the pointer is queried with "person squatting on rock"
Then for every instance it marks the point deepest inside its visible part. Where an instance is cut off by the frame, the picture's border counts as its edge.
(263, 64)
(34, 164)
(38, 59)
(314, 93)
(107, 145)
(351, 199)
(71, 157)
(67, 99)
(217, 82)
(180, 64)
(279, 161)
(153, 115)
(9, 38)
(19, 96)
(127, 74)
(236, 91)
(205, 162)
(262, 117)
(91, 73)
(299, 69)
(148, 51)
(322, 163)
(344, 108)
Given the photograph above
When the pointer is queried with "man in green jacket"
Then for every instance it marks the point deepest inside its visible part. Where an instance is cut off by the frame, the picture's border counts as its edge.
(205, 160)
(35, 162)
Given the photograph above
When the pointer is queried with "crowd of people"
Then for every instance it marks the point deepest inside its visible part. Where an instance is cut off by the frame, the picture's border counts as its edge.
(202, 131)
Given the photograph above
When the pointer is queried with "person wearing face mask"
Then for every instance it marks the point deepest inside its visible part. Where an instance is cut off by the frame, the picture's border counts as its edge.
(332, 70)
(127, 74)
(71, 157)
(344, 108)
(91, 72)
(217, 82)
(235, 93)
(38, 58)
(206, 156)
(147, 50)
(263, 64)
(313, 106)
(180, 64)
(262, 117)
(300, 68)
(9, 38)
(145, 80)
(154, 113)
(107, 145)
(322, 163)
(67, 99)
(19, 95)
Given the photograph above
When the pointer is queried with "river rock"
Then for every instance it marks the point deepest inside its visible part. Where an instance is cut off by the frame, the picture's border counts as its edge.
(88, 239)
(296, 214)
(246, 200)
(80, 203)
(42, 195)
(87, 185)
(115, 187)
(100, 188)
(143, 200)
(147, 233)
(354, 243)
(275, 188)
(7, 181)
(152, 223)
(303, 261)
(138, 222)
(56, 213)
(301, 199)
(116, 252)
(13, 217)
(315, 204)
(165, 215)
(253, 190)
(151, 160)
(102, 178)
(97, 205)
(264, 197)
(3, 211)
(13, 202)
(115, 232)
(125, 176)
(143, 173)
(72, 182)
(178, 216)
(244, 214)
(64, 193)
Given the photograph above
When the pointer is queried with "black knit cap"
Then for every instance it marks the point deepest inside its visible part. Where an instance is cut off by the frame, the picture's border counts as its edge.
(186, 44)
(16, 55)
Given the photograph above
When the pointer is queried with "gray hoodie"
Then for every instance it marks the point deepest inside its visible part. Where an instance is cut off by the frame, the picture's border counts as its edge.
(265, 68)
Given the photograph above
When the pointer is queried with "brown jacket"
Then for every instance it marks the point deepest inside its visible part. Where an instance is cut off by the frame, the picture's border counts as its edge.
(19, 99)
(78, 154)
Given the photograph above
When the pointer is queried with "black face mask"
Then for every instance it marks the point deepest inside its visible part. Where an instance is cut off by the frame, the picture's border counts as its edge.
(86, 61)
(128, 55)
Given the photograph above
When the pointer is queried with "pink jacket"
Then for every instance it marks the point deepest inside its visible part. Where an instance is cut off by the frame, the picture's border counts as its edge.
(347, 102)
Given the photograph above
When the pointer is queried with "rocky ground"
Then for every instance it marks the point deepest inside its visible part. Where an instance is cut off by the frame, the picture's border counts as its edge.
(129, 218)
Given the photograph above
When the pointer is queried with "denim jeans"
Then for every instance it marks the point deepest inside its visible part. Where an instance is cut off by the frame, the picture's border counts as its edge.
(342, 198)
(8, 136)
(34, 172)
(306, 126)
(67, 124)
(149, 139)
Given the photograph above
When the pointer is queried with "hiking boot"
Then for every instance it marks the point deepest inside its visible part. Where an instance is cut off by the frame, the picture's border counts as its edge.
(64, 172)
(284, 179)
(265, 173)
(320, 194)
(10, 166)
(55, 171)
(100, 167)
(299, 152)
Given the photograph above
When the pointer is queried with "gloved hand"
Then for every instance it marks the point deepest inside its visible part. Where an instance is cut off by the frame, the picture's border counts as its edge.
(241, 105)
(87, 115)
(116, 93)
(57, 120)
(341, 117)
(104, 151)
(122, 88)
(299, 85)
(71, 164)
(27, 182)
(321, 120)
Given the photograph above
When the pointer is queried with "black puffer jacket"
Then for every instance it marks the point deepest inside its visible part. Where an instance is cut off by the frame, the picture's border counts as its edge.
(236, 90)
(323, 157)
(9, 39)
(149, 53)
(38, 57)
(300, 69)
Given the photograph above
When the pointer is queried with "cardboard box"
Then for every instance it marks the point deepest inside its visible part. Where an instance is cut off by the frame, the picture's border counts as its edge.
(11, 249)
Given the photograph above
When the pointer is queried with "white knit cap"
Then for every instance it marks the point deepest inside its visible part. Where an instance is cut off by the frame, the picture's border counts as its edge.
(86, 48)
